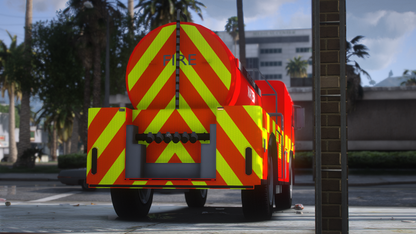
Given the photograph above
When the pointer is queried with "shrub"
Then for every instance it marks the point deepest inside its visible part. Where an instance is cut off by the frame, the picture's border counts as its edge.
(70, 161)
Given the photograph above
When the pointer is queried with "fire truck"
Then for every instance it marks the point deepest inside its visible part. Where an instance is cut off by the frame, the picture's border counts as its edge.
(199, 122)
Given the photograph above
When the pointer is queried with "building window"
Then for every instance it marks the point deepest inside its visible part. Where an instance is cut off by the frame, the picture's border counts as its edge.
(273, 76)
(271, 64)
(270, 51)
(309, 75)
(303, 50)
(252, 63)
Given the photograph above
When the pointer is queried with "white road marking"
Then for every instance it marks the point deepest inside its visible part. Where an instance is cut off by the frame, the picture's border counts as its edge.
(54, 197)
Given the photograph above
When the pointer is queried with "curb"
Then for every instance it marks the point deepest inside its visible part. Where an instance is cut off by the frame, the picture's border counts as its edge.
(27, 179)
(364, 184)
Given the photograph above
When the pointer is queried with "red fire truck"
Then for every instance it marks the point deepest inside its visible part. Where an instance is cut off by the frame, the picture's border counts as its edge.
(199, 122)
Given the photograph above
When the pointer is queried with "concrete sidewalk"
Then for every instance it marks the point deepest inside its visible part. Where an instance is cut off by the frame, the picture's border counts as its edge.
(301, 180)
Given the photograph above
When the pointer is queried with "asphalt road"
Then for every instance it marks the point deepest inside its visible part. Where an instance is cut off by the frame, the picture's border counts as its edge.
(24, 191)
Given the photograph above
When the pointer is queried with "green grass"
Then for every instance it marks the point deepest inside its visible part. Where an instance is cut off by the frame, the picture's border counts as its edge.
(53, 168)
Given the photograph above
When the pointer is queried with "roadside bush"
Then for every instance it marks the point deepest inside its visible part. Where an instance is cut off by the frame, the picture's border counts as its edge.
(70, 161)
(366, 159)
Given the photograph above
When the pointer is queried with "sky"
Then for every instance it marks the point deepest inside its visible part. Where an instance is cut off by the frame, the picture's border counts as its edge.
(388, 27)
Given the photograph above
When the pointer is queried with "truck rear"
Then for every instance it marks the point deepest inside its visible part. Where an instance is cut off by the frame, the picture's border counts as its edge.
(199, 122)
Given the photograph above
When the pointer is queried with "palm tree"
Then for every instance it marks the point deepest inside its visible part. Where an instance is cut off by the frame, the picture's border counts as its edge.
(411, 81)
(232, 28)
(9, 58)
(359, 50)
(296, 68)
(154, 13)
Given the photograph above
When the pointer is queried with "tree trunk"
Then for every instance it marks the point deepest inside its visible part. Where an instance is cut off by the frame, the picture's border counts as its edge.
(87, 104)
(241, 33)
(53, 148)
(24, 129)
(12, 125)
(131, 15)
(73, 147)
(96, 83)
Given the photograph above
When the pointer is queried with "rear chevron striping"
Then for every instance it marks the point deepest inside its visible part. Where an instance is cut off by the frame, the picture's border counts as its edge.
(208, 53)
(200, 86)
(239, 139)
(148, 56)
(177, 149)
(159, 120)
(226, 172)
(114, 172)
(156, 87)
(189, 117)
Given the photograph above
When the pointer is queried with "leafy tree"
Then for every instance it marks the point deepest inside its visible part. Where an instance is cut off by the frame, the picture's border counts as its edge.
(154, 13)
(296, 68)
(61, 73)
(10, 65)
(232, 28)
(359, 50)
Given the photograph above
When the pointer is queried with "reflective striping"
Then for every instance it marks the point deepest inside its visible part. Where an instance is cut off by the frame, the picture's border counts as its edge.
(109, 132)
(134, 115)
(92, 112)
(226, 172)
(172, 149)
(156, 87)
(189, 117)
(149, 55)
(116, 169)
(139, 182)
(239, 140)
(159, 120)
(208, 53)
(170, 184)
(199, 183)
(200, 86)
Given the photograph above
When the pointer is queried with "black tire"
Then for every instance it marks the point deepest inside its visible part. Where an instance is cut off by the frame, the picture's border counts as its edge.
(196, 198)
(258, 203)
(132, 203)
(85, 186)
(284, 199)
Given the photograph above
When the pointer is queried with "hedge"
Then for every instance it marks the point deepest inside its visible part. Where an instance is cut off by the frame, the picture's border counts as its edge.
(366, 159)
(70, 161)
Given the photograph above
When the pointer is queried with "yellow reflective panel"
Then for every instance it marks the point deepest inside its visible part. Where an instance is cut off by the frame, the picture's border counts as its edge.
(116, 169)
(226, 172)
(149, 55)
(109, 132)
(199, 183)
(208, 53)
(139, 182)
(169, 183)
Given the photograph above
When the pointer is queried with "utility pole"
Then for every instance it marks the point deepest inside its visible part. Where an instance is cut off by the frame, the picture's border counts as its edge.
(241, 34)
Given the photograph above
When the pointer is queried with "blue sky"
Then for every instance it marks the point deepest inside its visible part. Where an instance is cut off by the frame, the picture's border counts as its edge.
(389, 26)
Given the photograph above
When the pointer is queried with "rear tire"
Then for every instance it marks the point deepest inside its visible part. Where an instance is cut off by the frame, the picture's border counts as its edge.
(132, 203)
(284, 199)
(258, 203)
(196, 198)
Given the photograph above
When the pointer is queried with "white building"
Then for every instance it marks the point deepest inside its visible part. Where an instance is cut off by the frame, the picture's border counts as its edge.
(269, 50)
(37, 136)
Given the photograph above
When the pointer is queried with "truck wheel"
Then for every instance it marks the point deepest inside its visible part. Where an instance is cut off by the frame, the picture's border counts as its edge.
(85, 186)
(284, 199)
(132, 203)
(196, 198)
(258, 203)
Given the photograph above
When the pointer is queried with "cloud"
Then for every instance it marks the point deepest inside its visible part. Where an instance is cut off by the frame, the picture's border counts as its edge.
(38, 5)
(299, 19)
(385, 33)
